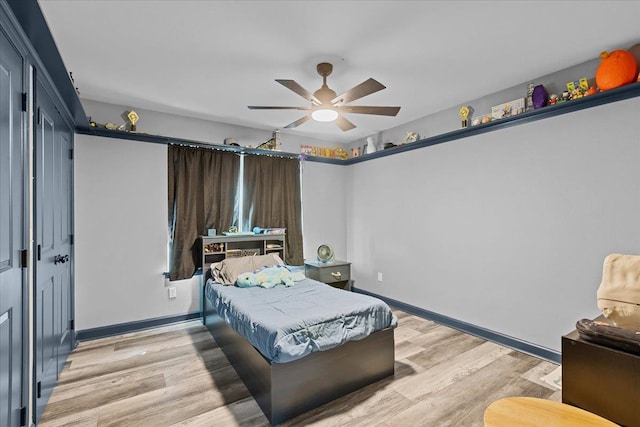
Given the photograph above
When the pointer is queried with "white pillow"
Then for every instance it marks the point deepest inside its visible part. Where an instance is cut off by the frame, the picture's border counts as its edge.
(227, 271)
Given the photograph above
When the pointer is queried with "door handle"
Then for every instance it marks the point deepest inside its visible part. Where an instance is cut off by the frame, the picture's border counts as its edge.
(60, 259)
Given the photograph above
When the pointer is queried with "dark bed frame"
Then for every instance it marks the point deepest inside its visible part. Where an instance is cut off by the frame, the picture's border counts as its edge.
(284, 390)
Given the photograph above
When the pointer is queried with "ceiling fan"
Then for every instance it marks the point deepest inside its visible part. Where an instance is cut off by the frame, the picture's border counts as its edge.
(327, 106)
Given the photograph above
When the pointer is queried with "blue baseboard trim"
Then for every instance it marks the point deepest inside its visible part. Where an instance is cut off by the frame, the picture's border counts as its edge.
(507, 341)
(139, 325)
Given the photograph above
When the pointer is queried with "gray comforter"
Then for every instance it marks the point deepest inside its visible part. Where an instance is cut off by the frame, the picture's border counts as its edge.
(287, 323)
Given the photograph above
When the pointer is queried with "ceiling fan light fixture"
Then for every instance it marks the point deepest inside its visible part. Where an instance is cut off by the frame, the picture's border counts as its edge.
(327, 106)
(324, 115)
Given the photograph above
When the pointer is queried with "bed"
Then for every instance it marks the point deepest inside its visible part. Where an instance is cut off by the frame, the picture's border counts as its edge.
(295, 375)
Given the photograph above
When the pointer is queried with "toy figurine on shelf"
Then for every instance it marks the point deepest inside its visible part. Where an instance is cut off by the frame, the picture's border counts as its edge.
(616, 69)
(583, 84)
(464, 115)
(411, 137)
(553, 99)
(577, 89)
(272, 143)
(341, 153)
(133, 118)
(506, 110)
(539, 97)
(529, 102)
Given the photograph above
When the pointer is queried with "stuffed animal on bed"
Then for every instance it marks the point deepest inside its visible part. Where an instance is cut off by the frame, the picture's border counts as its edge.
(269, 277)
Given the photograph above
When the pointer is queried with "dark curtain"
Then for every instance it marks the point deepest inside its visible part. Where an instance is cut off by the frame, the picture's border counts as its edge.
(202, 194)
(272, 199)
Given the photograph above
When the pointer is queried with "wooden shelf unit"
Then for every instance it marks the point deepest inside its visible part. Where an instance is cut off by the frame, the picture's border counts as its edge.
(217, 248)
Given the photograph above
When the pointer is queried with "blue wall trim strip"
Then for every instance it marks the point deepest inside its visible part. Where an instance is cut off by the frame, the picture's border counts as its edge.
(157, 139)
(516, 344)
(123, 328)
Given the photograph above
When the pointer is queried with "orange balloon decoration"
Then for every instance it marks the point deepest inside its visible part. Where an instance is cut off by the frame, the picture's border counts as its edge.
(617, 68)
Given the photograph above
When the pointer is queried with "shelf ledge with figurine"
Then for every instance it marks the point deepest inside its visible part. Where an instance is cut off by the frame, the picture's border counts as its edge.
(616, 79)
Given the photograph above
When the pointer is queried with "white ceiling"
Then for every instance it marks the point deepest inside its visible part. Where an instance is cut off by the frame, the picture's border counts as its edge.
(210, 59)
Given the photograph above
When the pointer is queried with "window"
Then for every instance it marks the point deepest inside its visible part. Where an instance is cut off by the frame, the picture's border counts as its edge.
(217, 189)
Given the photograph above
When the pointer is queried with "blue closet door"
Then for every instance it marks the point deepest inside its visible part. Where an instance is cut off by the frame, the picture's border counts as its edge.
(12, 233)
(52, 227)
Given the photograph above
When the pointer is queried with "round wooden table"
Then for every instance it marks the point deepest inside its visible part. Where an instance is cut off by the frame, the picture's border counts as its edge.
(534, 412)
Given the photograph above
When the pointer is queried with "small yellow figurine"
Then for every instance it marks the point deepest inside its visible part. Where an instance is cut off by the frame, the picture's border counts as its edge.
(341, 153)
(584, 84)
(133, 118)
(464, 115)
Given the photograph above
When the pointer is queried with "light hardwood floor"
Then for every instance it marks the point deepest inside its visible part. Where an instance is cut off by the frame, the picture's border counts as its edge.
(177, 376)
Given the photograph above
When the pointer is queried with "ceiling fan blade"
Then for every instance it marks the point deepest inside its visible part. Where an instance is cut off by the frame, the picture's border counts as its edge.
(294, 86)
(269, 107)
(363, 89)
(365, 109)
(344, 124)
(298, 122)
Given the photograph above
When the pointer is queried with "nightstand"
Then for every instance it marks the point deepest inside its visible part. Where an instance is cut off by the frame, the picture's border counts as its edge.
(334, 273)
(601, 379)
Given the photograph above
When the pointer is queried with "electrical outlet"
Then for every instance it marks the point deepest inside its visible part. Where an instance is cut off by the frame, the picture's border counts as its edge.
(379, 276)
(172, 292)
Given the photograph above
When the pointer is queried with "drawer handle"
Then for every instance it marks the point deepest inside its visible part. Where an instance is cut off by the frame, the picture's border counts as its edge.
(337, 275)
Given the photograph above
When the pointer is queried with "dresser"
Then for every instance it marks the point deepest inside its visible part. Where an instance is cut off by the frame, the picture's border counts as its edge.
(334, 273)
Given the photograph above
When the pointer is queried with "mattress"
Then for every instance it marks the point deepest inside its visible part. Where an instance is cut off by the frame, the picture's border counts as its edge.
(287, 323)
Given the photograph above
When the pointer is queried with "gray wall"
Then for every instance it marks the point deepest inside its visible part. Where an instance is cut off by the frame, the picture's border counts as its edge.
(324, 206)
(506, 230)
(121, 234)
(121, 220)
